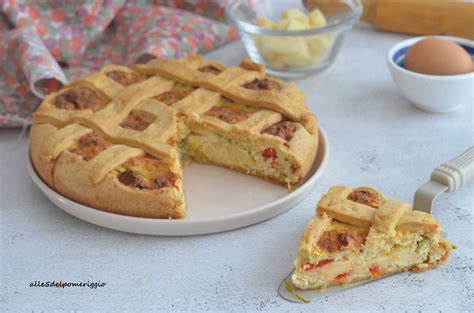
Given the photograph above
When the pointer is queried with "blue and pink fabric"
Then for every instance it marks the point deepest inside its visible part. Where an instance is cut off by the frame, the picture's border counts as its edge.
(45, 43)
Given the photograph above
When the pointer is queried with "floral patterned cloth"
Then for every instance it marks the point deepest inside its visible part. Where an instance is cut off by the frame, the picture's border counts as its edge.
(45, 42)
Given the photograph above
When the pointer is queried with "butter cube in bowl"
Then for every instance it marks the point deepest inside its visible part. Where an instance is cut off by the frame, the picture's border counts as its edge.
(290, 40)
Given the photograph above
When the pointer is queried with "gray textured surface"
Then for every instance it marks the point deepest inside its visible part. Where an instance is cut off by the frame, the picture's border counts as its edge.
(377, 138)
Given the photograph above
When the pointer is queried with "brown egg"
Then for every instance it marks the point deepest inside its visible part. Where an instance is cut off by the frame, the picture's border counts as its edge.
(438, 56)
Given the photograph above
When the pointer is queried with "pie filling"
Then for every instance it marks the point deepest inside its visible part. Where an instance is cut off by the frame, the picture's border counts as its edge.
(351, 255)
(210, 69)
(90, 145)
(230, 111)
(262, 84)
(178, 92)
(284, 129)
(342, 240)
(273, 163)
(240, 153)
(366, 196)
(80, 98)
(146, 172)
(125, 78)
(138, 120)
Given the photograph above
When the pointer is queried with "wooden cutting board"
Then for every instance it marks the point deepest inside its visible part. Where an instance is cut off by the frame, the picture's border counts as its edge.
(418, 17)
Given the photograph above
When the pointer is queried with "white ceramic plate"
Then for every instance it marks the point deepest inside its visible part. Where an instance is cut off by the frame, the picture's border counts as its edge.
(218, 199)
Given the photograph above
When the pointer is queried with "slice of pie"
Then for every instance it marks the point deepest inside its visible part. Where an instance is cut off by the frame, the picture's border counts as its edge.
(359, 234)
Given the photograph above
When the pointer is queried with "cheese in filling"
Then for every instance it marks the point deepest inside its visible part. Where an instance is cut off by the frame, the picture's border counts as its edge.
(240, 154)
(379, 255)
(146, 173)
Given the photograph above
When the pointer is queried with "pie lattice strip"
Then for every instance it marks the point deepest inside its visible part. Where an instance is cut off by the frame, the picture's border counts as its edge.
(389, 215)
(229, 83)
(106, 121)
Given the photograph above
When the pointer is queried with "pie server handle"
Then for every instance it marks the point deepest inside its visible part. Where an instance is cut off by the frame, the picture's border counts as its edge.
(449, 176)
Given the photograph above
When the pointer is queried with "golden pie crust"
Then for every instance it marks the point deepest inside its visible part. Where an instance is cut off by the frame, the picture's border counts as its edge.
(117, 140)
(359, 234)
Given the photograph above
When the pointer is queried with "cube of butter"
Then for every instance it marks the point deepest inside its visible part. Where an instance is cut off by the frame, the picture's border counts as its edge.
(320, 44)
(293, 13)
(316, 19)
(297, 24)
(273, 44)
(282, 24)
(292, 51)
(266, 23)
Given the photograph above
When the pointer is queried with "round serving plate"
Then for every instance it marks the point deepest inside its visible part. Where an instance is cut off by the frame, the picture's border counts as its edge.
(217, 199)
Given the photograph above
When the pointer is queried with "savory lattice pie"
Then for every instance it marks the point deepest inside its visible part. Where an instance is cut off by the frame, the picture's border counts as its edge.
(358, 234)
(116, 140)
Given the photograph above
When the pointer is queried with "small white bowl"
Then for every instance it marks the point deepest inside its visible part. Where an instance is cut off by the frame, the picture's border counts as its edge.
(432, 93)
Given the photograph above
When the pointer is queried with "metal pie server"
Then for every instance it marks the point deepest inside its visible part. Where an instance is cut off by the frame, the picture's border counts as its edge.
(449, 176)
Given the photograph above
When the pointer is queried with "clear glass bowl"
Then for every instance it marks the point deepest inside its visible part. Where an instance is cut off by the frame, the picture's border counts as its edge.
(292, 53)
